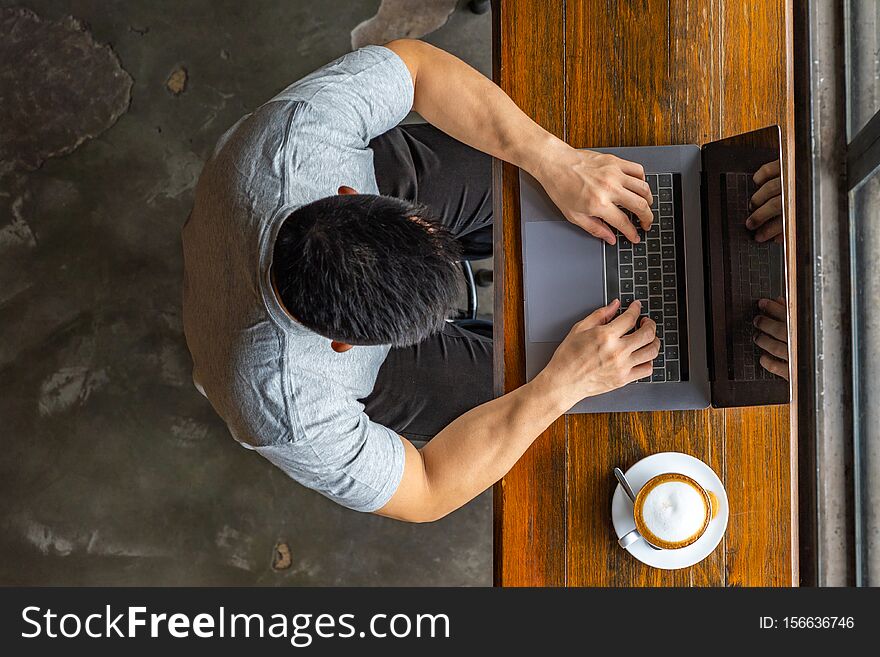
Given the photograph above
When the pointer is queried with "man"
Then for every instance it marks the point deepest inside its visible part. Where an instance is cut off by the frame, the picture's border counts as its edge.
(315, 308)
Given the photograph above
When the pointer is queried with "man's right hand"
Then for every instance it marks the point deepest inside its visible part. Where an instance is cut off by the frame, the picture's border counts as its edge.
(478, 448)
(598, 355)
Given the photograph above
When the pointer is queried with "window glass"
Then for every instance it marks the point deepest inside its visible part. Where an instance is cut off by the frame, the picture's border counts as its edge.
(863, 54)
(865, 246)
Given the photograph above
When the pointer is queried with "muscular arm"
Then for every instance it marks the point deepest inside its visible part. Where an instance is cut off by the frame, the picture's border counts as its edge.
(472, 453)
(587, 187)
(464, 104)
(478, 448)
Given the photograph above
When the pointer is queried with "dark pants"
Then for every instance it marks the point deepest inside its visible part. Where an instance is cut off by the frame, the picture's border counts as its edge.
(421, 389)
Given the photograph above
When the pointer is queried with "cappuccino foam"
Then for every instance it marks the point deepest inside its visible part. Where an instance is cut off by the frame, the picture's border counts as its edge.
(674, 511)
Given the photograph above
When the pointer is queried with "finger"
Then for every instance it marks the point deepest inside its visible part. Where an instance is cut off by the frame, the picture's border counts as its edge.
(599, 316)
(779, 239)
(638, 186)
(640, 372)
(768, 190)
(771, 346)
(774, 308)
(595, 227)
(769, 231)
(633, 169)
(775, 366)
(642, 336)
(772, 208)
(624, 322)
(637, 205)
(766, 172)
(647, 353)
(614, 216)
(771, 327)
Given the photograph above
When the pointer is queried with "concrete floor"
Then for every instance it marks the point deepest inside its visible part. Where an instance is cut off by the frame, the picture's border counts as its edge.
(115, 470)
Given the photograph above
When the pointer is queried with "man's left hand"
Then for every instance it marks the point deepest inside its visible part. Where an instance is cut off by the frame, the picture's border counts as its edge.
(591, 188)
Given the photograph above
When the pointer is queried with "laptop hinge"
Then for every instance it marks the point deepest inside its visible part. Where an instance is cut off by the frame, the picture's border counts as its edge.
(707, 287)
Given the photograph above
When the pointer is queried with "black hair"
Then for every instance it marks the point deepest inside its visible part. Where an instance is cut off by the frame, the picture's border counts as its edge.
(366, 269)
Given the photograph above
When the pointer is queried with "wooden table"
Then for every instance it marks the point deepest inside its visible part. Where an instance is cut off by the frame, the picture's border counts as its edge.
(600, 73)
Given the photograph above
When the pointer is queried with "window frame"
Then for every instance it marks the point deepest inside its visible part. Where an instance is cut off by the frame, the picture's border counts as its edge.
(829, 166)
(862, 162)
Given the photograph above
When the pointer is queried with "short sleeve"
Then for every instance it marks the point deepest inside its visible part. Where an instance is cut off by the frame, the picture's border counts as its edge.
(359, 96)
(359, 468)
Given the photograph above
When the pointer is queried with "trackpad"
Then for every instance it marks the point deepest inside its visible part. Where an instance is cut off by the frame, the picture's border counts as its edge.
(564, 278)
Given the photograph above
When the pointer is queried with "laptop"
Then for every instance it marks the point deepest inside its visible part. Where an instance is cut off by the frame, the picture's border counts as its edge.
(698, 273)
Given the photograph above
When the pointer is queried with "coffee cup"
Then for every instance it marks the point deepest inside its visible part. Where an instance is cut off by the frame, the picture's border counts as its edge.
(672, 511)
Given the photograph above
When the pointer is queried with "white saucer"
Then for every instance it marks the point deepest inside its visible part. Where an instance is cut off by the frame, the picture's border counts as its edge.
(638, 475)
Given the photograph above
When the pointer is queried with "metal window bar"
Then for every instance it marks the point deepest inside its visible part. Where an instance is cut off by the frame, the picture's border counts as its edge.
(862, 161)
(825, 352)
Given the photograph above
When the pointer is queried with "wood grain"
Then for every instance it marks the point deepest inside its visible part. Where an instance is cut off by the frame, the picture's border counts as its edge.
(638, 73)
(530, 502)
(655, 89)
(761, 456)
(596, 444)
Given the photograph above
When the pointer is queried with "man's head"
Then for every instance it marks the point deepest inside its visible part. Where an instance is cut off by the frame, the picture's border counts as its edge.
(362, 269)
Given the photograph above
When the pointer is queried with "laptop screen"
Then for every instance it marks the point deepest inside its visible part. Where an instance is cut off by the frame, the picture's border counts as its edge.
(746, 269)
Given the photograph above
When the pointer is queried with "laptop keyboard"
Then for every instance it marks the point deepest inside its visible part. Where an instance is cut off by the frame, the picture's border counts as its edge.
(750, 278)
(652, 271)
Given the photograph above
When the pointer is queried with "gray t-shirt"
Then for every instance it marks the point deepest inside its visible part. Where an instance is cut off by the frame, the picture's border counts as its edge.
(280, 388)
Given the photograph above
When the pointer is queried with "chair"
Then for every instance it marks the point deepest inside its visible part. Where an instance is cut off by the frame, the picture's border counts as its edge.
(476, 246)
